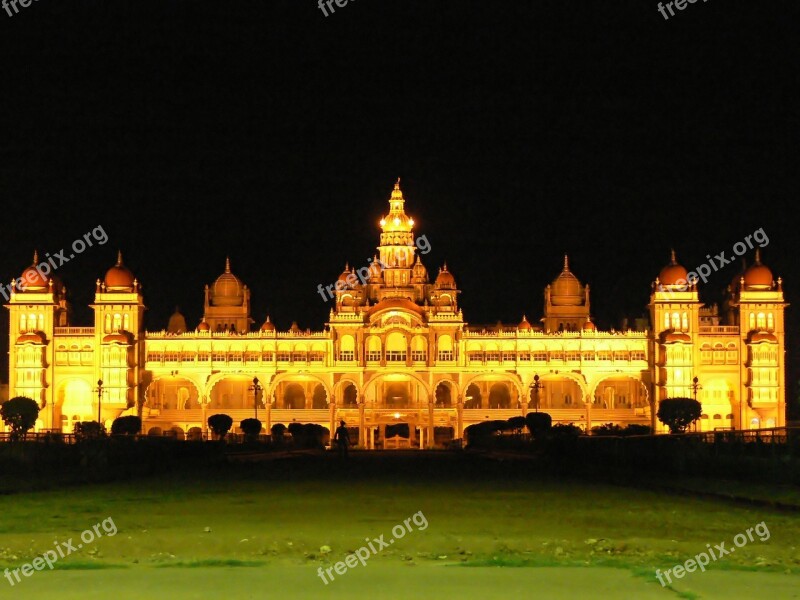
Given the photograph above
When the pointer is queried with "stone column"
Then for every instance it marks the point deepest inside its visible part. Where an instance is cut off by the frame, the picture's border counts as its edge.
(362, 425)
(429, 441)
(332, 418)
(460, 419)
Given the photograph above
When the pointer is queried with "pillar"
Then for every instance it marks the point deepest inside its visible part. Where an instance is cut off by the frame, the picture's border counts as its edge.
(430, 424)
(362, 425)
(459, 433)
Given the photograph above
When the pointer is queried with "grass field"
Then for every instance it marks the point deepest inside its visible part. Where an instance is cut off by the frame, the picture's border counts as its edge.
(263, 530)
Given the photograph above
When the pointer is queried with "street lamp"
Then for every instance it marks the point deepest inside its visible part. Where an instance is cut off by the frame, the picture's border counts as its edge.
(695, 386)
(536, 386)
(256, 387)
(99, 399)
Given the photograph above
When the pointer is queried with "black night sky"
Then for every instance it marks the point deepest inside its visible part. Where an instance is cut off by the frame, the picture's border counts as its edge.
(268, 132)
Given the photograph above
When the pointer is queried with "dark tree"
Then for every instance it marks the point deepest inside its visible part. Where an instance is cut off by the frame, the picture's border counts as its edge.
(679, 413)
(130, 425)
(220, 424)
(20, 414)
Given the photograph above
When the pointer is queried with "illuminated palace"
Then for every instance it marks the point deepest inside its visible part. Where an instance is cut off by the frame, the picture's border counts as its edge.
(397, 350)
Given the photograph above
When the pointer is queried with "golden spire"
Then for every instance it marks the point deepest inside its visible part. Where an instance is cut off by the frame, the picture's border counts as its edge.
(227, 264)
(119, 258)
(673, 260)
(566, 263)
(758, 256)
(35, 257)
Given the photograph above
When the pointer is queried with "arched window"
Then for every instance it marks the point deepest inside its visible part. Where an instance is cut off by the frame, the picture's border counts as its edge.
(126, 322)
(761, 321)
(676, 321)
(752, 321)
(117, 322)
(108, 324)
(685, 322)
(666, 320)
(23, 322)
(770, 322)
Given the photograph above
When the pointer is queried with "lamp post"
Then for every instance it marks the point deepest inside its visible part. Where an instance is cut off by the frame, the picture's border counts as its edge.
(256, 387)
(99, 399)
(536, 386)
(695, 386)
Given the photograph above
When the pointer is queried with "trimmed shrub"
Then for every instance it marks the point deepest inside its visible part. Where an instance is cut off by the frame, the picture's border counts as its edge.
(308, 435)
(220, 424)
(130, 425)
(481, 435)
(250, 427)
(278, 431)
(517, 424)
(679, 413)
(607, 429)
(89, 430)
(566, 430)
(636, 429)
(538, 423)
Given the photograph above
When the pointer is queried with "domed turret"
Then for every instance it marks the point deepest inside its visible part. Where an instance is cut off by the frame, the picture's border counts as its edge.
(524, 325)
(342, 281)
(203, 326)
(268, 325)
(119, 277)
(589, 326)
(445, 279)
(228, 290)
(375, 270)
(758, 277)
(673, 275)
(566, 290)
(419, 274)
(177, 322)
(33, 280)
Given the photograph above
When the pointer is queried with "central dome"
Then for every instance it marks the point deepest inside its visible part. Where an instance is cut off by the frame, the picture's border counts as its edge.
(228, 289)
(566, 290)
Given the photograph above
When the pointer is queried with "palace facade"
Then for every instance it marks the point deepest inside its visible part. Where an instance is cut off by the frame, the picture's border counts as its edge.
(396, 349)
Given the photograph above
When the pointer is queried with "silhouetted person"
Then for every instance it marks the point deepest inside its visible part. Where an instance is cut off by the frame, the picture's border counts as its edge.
(342, 439)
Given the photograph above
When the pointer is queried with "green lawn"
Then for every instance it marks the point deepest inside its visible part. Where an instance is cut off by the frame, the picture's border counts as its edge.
(241, 531)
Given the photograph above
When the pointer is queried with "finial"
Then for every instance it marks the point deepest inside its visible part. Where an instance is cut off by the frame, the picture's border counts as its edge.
(35, 257)
(445, 266)
(758, 256)
(397, 184)
(119, 258)
(566, 262)
(227, 264)
(672, 258)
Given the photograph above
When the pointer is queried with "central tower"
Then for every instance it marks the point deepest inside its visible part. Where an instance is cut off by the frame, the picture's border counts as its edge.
(397, 242)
